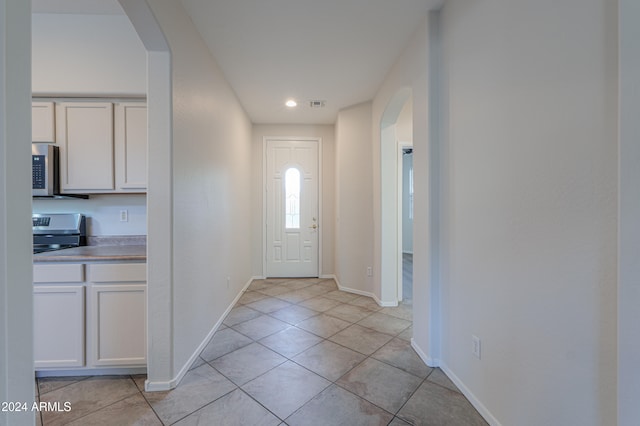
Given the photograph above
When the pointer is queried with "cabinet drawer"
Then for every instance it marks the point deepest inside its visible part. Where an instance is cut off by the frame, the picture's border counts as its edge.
(62, 273)
(123, 272)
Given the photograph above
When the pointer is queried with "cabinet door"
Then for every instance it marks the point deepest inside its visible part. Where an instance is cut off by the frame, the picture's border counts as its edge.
(42, 122)
(131, 147)
(58, 313)
(118, 324)
(84, 131)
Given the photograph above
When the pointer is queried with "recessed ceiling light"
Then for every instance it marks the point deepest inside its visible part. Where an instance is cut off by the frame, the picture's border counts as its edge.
(291, 103)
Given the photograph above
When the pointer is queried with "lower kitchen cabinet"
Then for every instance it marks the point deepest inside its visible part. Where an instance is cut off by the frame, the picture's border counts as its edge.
(118, 314)
(118, 324)
(58, 313)
(92, 322)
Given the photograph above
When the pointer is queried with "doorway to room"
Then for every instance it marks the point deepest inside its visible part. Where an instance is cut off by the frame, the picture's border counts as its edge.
(396, 136)
(405, 222)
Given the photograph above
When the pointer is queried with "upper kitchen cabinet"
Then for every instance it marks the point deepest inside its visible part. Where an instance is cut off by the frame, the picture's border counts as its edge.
(103, 146)
(84, 132)
(43, 127)
(131, 146)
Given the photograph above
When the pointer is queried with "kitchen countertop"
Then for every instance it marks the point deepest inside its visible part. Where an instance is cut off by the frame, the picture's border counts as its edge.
(102, 253)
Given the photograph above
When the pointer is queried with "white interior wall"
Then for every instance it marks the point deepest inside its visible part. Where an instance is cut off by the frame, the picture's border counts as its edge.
(404, 125)
(410, 73)
(99, 55)
(387, 278)
(629, 215)
(16, 347)
(327, 134)
(211, 186)
(160, 336)
(353, 199)
(530, 208)
(404, 133)
(87, 54)
(16, 304)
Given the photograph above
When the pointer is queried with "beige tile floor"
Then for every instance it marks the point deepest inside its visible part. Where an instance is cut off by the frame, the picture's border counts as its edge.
(291, 352)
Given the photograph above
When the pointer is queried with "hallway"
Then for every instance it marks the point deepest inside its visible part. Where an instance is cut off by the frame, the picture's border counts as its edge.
(291, 352)
(407, 278)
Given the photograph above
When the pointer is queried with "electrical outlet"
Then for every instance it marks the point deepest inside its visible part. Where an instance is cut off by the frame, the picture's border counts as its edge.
(228, 282)
(369, 271)
(475, 346)
(124, 216)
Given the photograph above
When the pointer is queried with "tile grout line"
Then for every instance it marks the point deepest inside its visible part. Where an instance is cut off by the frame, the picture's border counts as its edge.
(289, 325)
(142, 393)
(79, 379)
(201, 408)
(326, 339)
(108, 405)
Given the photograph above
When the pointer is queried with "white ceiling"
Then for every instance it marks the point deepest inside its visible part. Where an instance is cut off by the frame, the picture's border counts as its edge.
(338, 51)
(91, 7)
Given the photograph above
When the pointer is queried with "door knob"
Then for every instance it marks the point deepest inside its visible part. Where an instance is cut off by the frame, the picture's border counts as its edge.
(314, 226)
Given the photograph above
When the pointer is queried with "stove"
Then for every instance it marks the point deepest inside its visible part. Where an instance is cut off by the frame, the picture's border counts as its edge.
(57, 231)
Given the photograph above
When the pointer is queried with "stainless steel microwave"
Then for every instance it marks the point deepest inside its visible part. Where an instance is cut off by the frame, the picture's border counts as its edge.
(44, 168)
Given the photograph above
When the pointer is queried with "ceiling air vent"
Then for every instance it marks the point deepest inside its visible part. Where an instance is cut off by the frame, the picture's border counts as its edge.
(316, 104)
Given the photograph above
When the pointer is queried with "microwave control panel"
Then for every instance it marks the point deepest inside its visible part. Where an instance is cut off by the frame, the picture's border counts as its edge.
(39, 167)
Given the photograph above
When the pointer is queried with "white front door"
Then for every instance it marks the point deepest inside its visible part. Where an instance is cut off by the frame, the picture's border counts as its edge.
(291, 185)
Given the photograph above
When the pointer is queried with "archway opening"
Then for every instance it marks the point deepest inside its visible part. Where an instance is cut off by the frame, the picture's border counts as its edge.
(160, 371)
(396, 134)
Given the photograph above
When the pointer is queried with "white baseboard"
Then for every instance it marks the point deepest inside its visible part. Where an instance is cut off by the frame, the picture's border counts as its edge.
(158, 386)
(484, 412)
(360, 292)
(330, 276)
(384, 304)
(91, 372)
(432, 362)
(168, 385)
